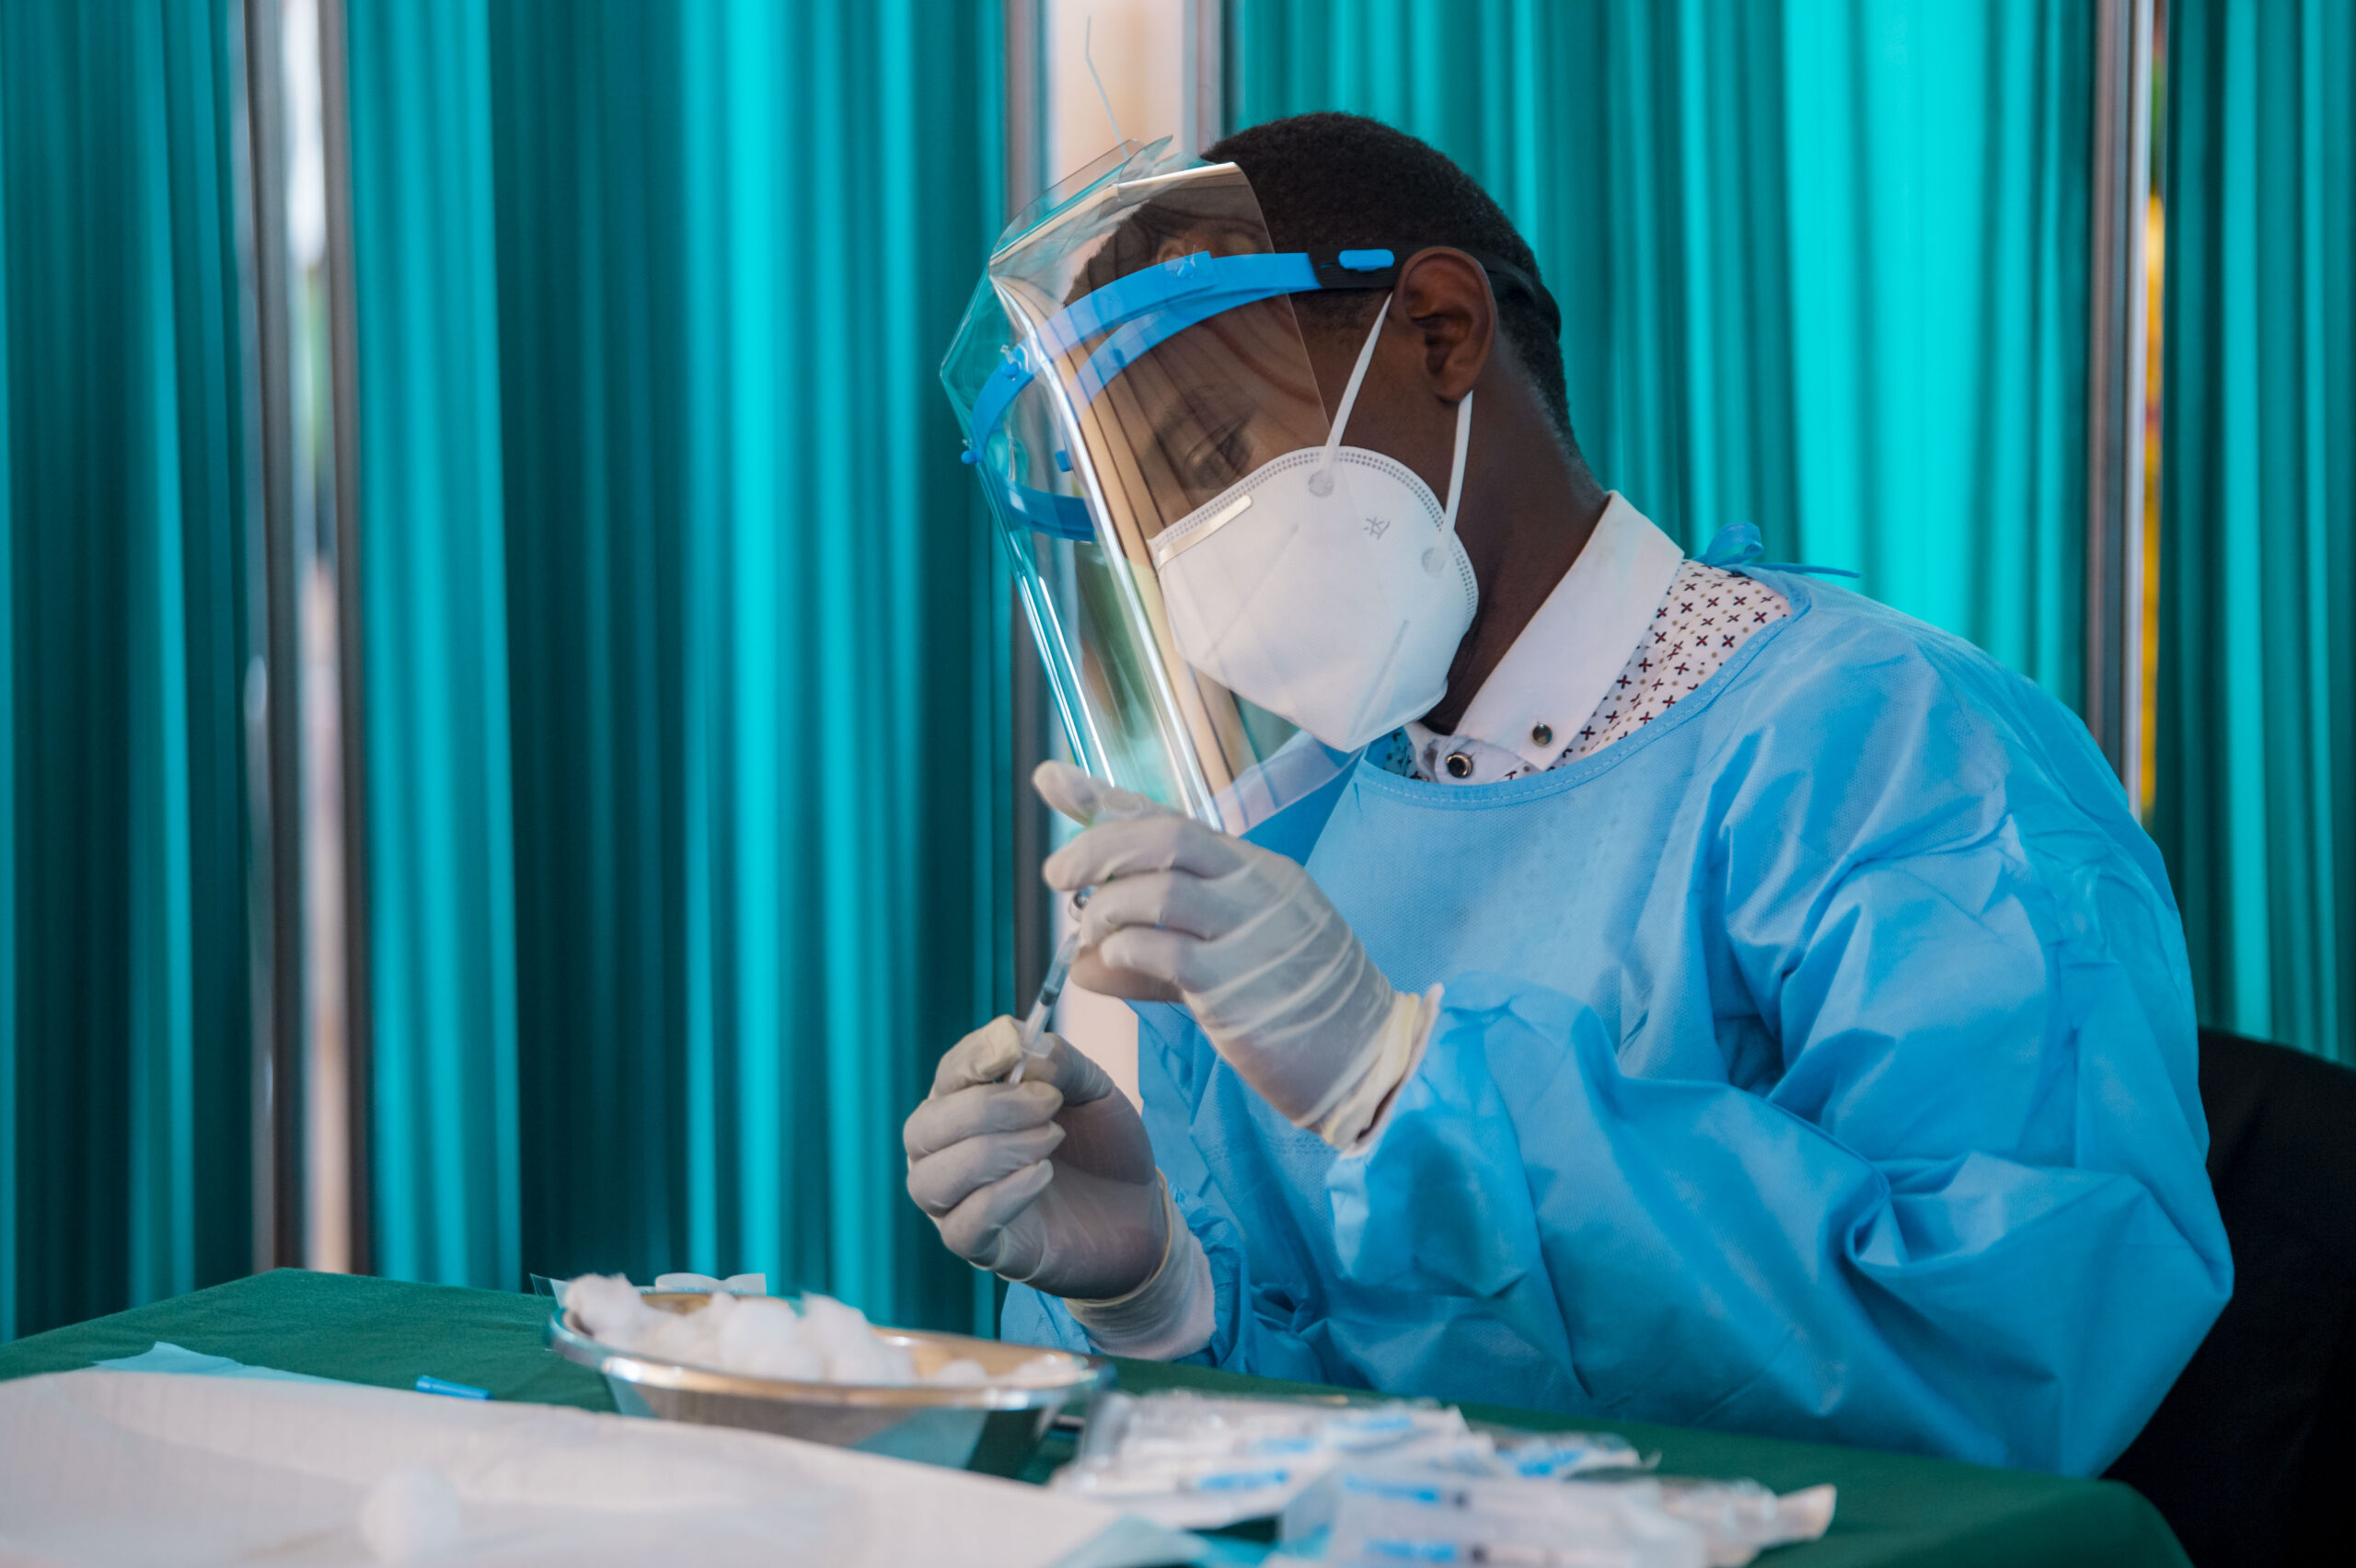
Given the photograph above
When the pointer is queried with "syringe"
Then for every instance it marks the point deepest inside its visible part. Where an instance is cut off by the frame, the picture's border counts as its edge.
(1051, 985)
(1051, 990)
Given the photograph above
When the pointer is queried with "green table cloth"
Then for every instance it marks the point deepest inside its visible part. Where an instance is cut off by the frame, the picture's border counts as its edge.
(1893, 1509)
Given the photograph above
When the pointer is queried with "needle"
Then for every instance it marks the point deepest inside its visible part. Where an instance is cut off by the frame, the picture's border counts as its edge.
(1051, 986)
(1051, 989)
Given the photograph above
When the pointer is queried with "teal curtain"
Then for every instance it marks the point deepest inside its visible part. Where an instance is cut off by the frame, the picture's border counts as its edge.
(1821, 262)
(126, 1033)
(686, 656)
(2255, 804)
(447, 1167)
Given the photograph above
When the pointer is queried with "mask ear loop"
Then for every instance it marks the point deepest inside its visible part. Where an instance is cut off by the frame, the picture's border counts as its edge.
(1434, 561)
(1456, 464)
(1321, 480)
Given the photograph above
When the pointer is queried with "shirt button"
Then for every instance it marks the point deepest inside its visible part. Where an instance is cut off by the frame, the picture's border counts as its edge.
(1459, 766)
(1541, 734)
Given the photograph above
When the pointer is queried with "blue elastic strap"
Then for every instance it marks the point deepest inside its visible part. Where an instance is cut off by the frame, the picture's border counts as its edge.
(1144, 292)
(1133, 340)
(1145, 308)
(1738, 544)
(1062, 517)
(1001, 390)
(1065, 516)
(1141, 310)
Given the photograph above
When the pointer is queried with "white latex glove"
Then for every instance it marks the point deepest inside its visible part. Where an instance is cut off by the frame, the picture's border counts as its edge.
(1095, 1222)
(1243, 937)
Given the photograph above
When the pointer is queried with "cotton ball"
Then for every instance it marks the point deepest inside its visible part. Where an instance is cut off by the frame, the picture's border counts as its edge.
(758, 1321)
(409, 1514)
(690, 1337)
(601, 1294)
(695, 1336)
(610, 1310)
(958, 1373)
(789, 1363)
(837, 1330)
(764, 1339)
(859, 1364)
(900, 1363)
(853, 1352)
(711, 1325)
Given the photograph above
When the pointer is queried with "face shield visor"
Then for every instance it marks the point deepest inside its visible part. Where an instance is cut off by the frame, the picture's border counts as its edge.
(1228, 601)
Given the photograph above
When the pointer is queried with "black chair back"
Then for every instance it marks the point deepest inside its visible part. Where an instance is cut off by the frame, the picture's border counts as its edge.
(2250, 1455)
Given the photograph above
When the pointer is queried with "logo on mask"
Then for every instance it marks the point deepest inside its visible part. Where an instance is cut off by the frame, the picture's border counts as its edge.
(1376, 526)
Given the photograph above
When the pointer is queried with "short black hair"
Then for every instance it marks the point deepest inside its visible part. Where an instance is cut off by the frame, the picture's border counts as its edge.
(1330, 179)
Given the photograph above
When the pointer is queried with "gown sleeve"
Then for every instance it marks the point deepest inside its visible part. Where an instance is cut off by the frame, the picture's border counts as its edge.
(1969, 1216)
(1961, 1208)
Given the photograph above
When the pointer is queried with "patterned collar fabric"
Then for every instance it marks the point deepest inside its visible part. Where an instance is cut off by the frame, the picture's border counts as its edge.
(1700, 623)
(1561, 664)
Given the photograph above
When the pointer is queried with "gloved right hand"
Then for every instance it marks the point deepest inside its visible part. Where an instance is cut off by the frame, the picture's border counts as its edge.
(1092, 1223)
(1280, 985)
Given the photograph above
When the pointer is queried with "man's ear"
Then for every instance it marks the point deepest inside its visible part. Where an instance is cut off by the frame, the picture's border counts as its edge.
(1445, 295)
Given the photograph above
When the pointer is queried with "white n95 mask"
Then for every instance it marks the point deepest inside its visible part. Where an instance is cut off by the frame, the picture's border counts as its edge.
(1328, 585)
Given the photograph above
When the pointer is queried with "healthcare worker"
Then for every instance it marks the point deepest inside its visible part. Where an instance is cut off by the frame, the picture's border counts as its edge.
(1714, 998)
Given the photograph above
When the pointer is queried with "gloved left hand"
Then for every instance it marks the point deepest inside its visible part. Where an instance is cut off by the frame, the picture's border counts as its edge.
(1094, 1223)
(1270, 970)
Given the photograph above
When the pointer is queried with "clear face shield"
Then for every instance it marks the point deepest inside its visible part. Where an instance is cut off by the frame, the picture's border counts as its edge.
(1228, 602)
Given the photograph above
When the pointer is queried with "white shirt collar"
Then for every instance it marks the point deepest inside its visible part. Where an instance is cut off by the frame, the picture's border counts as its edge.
(1565, 659)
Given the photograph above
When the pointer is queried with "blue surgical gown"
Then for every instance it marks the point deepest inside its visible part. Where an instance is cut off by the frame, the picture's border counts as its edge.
(1818, 1061)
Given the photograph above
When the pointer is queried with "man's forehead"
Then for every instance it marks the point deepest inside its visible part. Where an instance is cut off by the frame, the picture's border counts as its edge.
(1169, 228)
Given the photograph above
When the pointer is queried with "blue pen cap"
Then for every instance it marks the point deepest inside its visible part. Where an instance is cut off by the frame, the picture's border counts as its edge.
(455, 1390)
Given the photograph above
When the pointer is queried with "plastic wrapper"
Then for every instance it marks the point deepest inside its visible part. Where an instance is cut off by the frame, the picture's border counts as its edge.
(1397, 1515)
(1403, 1483)
(1391, 1513)
(1198, 1463)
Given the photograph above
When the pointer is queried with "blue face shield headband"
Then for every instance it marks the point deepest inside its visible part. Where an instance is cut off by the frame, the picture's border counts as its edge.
(1147, 307)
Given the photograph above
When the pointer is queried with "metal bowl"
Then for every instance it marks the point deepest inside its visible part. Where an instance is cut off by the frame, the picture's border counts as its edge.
(993, 1427)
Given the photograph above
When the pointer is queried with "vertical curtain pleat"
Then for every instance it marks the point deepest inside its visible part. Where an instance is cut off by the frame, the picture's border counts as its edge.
(125, 1041)
(583, 112)
(1938, 159)
(753, 647)
(448, 1177)
(1820, 261)
(9, 1183)
(2256, 803)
